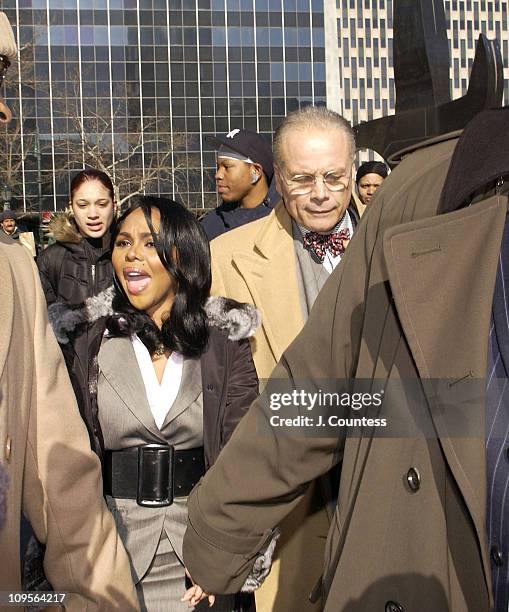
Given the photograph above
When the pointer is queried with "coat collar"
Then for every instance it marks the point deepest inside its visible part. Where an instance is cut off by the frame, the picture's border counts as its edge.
(6, 308)
(442, 274)
(269, 272)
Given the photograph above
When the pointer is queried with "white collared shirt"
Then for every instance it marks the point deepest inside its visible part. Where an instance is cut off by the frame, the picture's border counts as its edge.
(160, 396)
(330, 262)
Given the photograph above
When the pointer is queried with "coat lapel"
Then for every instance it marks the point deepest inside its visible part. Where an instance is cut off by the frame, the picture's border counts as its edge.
(190, 388)
(442, 274)
(270, 276)
(124, 375)
(6, 309)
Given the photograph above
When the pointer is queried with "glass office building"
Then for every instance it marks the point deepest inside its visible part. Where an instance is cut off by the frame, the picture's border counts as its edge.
(141, 78)
(143, 82)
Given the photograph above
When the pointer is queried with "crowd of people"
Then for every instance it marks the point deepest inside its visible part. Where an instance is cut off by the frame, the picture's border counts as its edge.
(138, 351)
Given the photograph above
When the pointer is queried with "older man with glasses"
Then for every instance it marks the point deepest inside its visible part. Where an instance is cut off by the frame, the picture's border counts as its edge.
(279, 264)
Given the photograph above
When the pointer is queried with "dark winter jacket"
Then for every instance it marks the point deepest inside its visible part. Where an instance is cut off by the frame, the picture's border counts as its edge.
(229, 378)
(229, 215)
(73, 270)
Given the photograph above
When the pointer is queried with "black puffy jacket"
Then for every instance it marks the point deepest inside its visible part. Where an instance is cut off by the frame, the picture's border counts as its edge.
(72, 270)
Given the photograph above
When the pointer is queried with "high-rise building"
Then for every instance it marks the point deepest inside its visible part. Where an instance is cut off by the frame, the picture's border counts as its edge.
(138, 78)
(360, 60)
(145, 81)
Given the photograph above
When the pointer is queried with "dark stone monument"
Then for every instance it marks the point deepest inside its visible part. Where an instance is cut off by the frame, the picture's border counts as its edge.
(424, 108)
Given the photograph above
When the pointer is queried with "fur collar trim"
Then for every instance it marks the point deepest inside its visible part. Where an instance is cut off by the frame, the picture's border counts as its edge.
(63, 228)
(237, 320)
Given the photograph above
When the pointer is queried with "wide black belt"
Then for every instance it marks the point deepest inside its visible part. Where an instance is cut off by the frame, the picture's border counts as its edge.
(152, 474)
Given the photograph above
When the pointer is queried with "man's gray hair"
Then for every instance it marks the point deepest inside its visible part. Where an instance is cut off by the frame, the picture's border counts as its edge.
(311, 117)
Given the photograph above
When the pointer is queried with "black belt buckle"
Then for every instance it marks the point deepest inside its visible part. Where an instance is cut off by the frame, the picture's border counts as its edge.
(155, 475)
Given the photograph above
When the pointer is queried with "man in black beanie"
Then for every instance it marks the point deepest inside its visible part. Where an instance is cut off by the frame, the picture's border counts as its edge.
(370, 176)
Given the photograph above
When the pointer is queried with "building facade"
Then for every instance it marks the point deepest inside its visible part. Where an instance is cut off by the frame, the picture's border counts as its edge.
(141, 83)
(362, 61)
(137, 85)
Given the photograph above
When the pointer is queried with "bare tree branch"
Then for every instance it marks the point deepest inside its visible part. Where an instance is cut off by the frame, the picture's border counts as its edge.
(137, 160)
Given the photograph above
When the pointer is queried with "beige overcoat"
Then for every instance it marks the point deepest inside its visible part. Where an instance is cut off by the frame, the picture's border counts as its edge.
(256, 264)
(54, 477)
(411, 299)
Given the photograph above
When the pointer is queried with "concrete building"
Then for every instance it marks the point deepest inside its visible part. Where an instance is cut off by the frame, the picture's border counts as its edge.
(151, 76)
(359, 51)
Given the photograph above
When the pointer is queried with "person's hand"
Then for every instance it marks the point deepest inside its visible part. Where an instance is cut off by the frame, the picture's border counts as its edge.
(196, 594)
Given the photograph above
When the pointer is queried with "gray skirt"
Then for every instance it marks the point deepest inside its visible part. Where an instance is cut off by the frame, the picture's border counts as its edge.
(163, 585)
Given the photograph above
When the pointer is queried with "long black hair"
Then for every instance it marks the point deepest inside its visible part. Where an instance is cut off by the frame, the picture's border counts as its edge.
(184, 251)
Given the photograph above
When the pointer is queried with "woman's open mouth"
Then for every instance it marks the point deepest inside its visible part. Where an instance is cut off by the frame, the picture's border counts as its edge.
(136, 279)
(95, 227)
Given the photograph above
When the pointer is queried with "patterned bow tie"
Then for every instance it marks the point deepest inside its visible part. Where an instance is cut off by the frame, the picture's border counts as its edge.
(320, 243)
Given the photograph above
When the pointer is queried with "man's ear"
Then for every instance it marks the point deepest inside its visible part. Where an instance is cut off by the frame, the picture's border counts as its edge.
(256, 173)
(277, 182)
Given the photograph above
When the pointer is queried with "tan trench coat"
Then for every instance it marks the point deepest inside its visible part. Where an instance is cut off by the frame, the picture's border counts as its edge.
(55, 479)
(411, 299)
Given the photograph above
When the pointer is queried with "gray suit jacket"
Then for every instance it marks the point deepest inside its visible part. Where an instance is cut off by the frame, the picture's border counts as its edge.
(215, 391)
(126, 421)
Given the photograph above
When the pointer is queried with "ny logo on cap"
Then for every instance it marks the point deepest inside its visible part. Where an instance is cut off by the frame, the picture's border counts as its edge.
(232, 134)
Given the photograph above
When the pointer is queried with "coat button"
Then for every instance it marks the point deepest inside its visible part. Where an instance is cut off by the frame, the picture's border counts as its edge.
(394, 606)
(413, 479)
(496, 556)
(8, 448)
(210, 387)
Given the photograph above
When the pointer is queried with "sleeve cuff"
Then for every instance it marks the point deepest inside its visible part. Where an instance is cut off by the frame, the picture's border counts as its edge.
(222, 562)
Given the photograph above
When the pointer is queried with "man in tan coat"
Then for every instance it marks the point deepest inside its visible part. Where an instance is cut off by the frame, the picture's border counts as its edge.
(279, 264)
(409, 310)
(47, 469)
(271, 262)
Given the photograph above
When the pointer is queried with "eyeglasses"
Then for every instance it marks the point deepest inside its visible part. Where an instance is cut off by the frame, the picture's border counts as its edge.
(302, 184)
(4, 65)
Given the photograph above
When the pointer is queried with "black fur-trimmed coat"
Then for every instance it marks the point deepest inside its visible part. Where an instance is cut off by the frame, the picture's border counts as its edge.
(71, 271)
(229, 379)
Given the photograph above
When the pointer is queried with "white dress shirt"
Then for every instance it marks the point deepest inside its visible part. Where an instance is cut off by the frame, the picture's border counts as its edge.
(160, 396)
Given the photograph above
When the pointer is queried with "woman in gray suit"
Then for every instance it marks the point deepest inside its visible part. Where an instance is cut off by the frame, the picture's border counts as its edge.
(173, 381)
